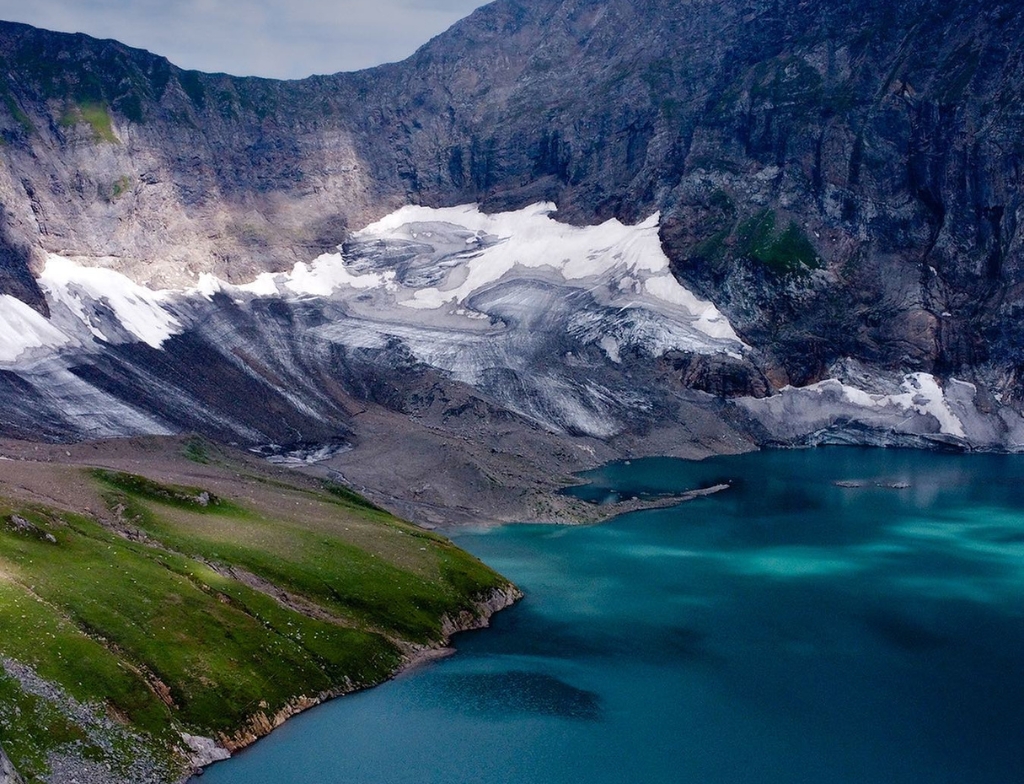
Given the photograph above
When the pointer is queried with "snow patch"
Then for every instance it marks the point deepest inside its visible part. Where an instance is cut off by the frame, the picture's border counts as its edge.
(92, 294)
(328, 273)
(610, 347)
(922, 394)
(22, 329)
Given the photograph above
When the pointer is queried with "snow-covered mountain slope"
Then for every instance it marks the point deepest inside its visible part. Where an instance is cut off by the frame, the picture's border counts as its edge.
(526, 309)
(563, 327)
(538, 315)
(834, 196)
(442, 267)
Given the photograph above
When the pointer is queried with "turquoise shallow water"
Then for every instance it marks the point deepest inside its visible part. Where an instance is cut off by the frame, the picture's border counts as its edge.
(786, 630)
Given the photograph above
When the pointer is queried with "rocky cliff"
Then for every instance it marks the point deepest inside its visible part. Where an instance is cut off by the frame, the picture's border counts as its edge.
(843, 179)
(841, 182)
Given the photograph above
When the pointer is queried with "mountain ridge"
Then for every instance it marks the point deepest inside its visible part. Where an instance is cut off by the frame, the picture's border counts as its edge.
(717, 115)
(842, 184)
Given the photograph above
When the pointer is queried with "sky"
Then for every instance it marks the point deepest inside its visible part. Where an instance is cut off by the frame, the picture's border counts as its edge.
(284, 39)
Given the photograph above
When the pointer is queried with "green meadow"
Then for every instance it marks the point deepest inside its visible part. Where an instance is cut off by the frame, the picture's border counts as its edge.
(179, 609)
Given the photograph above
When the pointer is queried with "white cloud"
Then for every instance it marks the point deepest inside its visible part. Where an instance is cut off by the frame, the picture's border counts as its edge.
(276, 38)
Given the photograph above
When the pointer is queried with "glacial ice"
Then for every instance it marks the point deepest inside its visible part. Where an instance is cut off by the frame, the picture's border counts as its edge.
(621, 265)
(545, 318)
(22, 329)
(922, 407)
(85, 303)
(108, 304)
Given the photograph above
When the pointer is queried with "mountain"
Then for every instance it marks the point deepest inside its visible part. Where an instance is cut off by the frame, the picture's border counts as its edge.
(835, 187)
(562, 233)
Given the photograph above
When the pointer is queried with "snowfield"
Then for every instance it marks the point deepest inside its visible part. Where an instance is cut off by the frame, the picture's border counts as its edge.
(561, 324)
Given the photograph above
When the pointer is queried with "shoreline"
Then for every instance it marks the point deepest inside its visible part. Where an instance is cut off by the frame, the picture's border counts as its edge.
(260, 725)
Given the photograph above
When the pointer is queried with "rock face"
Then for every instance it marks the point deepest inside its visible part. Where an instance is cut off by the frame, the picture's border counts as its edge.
(8, 775)
(842, 182)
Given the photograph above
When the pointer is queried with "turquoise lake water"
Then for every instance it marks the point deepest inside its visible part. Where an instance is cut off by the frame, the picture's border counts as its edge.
(786, 630)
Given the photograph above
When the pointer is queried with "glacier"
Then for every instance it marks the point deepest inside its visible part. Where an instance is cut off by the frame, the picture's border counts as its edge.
(564, 326)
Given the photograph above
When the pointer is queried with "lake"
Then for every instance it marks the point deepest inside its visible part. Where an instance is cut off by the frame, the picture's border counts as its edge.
(836, 615)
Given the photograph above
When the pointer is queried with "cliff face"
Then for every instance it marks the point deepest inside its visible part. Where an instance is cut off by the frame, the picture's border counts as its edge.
(842, 182)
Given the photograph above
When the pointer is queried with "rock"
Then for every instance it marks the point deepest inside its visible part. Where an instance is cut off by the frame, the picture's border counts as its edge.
(204, 751)
(720, 375)
(833, 196)
(8, 775)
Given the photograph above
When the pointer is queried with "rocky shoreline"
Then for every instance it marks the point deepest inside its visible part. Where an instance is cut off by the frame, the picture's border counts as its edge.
(201, 751)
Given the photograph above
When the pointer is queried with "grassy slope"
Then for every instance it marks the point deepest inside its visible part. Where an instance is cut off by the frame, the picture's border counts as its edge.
(156, 629)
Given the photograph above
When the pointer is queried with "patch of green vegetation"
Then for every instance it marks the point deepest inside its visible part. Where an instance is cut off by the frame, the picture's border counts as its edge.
(377, 579)
(193, 498)
(790, 252)
(120, 187)
(98, 118)
(351, 497)
(139, 622)
(755, 232)
(45, 637)
(197, 450)
(95, 115)
(227, 103)
(192, 83)
(18, 113)
(185, 628)
(711, 249)
(130, 107)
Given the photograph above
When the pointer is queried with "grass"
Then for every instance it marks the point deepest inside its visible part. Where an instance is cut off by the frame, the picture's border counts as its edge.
(48, 637)
(141, 488)
(168, 633)
(787, 253)
(372, 571)
(18, 113)
(349, 497)
(197, 450)
(95, 115)
(121, 186)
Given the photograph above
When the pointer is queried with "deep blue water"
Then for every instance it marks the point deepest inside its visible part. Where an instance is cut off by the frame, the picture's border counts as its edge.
(786, 630)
